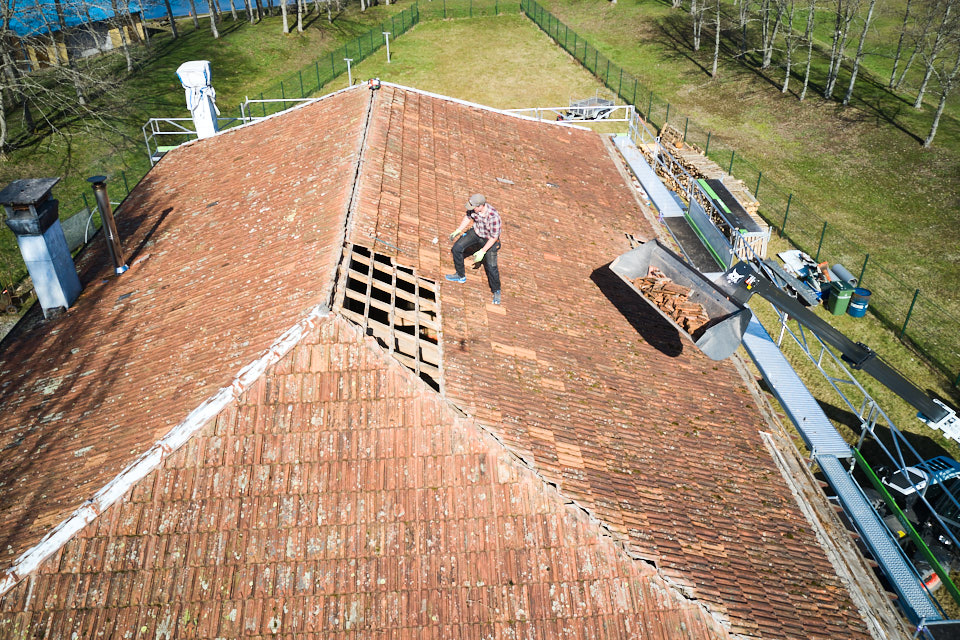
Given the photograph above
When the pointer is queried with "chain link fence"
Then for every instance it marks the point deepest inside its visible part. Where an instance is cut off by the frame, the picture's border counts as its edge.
(917, 319)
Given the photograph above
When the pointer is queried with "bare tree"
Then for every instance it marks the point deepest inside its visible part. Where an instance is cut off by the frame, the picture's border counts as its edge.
(743, 19)
(947, 78)
(300, 9)
(919, 37)
(903, 33)
(769, 32)
(845, 13)
(789, 44)
(193, 14)
(932, 53)
(698, 10)
(211, 8)
(117, 21)
(808, 36)
(283, 10)
(859, 56)
(716, 43)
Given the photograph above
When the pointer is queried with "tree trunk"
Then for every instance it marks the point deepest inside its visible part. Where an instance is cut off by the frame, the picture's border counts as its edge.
(696, 14)
(300, 4)
(193, 14)
(930, 56)
(283, 11)
(768, 46)
(233, 10)
(789, 44)
(716, 44)
(123, 36)
(213, 19)
(808, 35)
(846, 9)
(903, 34)
(859, 56)
(173, 22)
(743, 15)
(329, 12)
(946, 86)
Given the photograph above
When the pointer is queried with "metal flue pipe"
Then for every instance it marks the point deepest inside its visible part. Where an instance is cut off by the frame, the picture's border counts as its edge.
(109, 224)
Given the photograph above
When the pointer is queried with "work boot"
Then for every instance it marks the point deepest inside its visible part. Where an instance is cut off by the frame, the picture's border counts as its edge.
(453, 277)
(496, 297)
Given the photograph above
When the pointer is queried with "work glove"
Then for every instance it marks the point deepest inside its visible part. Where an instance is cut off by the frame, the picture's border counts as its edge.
(478, 256)
(453, 236)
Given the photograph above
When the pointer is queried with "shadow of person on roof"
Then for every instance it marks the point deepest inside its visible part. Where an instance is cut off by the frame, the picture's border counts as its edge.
(651, 326)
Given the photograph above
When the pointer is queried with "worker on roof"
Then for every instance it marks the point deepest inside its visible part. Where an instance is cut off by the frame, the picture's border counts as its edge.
(485, 233)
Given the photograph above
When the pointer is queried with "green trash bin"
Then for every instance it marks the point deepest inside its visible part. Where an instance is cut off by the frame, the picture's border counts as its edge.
(838, 297)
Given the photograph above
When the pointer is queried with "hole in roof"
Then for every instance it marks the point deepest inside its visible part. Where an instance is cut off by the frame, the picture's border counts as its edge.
(396, 306)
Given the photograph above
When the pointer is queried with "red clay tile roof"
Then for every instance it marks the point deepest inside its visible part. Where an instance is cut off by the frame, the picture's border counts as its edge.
(339, 494)
(308, 510)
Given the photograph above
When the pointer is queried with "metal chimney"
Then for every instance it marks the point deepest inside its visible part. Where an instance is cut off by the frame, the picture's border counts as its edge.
(34, 218)
(109, 224)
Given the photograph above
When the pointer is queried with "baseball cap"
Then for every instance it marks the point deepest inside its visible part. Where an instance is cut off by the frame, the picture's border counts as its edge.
(476, 200)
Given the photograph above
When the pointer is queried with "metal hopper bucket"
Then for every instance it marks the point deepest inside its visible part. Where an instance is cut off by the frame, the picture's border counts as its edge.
(720, 337)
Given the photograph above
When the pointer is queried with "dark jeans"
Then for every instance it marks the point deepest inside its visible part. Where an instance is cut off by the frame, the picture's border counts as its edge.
(468, 241)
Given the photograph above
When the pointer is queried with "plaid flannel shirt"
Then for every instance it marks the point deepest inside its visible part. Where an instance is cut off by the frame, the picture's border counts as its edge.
(488, 224)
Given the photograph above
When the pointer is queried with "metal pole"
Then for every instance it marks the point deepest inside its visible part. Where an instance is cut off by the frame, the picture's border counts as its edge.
(123, 174)
(633, 100)
(863, 268)
(263, 104)
(706, 152)
(386, 35)
(114, 248)
(903, 329)
(786, 213)
(300, 74)
(317, 66)
(757, 190)
(733, 154)
(349, 74)
(686, 123)
(667, 119)
(283, 94)
(822, 233)
(650, 106)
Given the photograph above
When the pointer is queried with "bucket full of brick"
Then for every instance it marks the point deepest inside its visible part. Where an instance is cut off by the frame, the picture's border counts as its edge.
(685, 298)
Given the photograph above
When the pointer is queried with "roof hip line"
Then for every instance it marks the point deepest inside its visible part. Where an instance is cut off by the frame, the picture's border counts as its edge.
(153, 457)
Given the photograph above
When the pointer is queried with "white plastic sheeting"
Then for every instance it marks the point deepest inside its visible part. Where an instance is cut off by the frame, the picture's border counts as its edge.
(195, 76)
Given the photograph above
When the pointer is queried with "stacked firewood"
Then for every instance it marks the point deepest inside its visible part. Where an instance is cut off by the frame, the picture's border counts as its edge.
(672, 299)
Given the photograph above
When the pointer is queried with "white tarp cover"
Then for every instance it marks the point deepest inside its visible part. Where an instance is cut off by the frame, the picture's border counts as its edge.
(195, 76)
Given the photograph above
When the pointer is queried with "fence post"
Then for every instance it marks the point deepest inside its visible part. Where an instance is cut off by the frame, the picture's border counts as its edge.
(317, 67)
(903, 329)
(496, 8)
(757, 190)
(667, 118)
(86, 205)
(706, 151)
(300, 73)
(786, 213)
(283, 94)
(620, 85)
(686, 124)
(649, 107)
(633, 100)
(444, 9)
(471, 8)
(733, 154)
(863, 268)
(820, 244)
(123, 174)
(263, 104)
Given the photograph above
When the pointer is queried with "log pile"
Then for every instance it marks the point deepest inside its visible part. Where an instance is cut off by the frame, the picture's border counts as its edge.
(672, 299)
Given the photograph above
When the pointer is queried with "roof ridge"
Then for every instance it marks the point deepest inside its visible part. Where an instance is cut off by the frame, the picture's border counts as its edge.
(153, 457)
